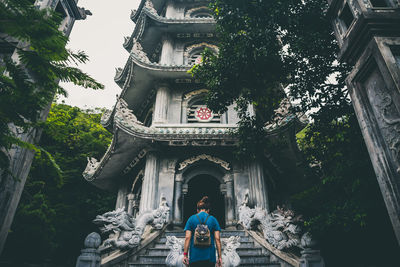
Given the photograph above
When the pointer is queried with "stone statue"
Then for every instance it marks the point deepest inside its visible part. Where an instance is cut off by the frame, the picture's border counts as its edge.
(245, 212)
(280, 227)
(230, 258)
(128, 230)
(91, 168)
(175, 255)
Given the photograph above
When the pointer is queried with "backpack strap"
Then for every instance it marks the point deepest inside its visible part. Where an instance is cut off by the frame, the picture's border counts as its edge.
(207, 218)
(198, 218)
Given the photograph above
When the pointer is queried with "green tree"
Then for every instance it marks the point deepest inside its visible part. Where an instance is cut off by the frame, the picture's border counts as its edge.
(54, 215)
(265, 46)
(30, 81)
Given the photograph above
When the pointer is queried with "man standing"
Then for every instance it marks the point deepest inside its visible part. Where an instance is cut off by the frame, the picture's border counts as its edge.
(202, 251)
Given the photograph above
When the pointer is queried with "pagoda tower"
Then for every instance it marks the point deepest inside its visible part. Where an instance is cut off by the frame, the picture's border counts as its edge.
(169, 149)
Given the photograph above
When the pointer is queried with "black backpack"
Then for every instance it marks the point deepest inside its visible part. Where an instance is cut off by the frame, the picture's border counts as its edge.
(202, 236)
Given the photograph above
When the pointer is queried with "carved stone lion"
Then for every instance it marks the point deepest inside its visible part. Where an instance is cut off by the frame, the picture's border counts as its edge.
(230, 258)
(175, 255)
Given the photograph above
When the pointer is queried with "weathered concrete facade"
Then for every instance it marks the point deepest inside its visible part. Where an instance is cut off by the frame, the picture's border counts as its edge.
(368, 33)
(166, 141)
(169, 149)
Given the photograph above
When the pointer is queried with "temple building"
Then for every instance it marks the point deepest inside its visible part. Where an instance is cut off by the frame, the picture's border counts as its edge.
(169, 149)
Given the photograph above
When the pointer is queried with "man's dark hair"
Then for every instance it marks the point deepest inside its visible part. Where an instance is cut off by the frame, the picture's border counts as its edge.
(204, 203)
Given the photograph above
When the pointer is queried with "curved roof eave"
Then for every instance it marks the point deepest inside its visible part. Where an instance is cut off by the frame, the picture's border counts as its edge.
(123, 147)
(162, 21)
(123, 77)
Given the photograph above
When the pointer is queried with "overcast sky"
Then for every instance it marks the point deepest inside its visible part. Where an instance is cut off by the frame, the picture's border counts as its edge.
(101, 36)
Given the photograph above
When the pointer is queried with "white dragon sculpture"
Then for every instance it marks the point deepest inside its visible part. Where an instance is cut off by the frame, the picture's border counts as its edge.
(128, 230)
(230, 258)
(280, 227)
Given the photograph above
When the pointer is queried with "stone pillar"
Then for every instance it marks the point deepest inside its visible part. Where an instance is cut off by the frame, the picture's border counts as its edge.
(131, 199)
(161, 105)
(258, 188)
(121, 197)
(177, 220)
(90, 256)
(167, 52)
(369, 40)
(149, 199)
(229, 201)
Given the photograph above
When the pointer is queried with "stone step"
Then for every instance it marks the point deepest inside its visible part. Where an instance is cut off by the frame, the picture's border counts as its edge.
(163, 239)
(151, 259)
(160, 246)
(254, 260)
(271, 264)
(253, 251)
(249, 251)
(139, 264)
(251, 254)
(158, 252)
(232, 233)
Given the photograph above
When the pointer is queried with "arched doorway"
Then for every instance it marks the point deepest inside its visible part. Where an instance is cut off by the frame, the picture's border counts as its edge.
(204, 185)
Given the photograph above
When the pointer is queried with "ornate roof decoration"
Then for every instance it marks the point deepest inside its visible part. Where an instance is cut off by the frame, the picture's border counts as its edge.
(156, 66)
(124, 114)
(283, 115)
(194, 93)
(91, 168)
(94, 166)
(194, 159)
(127, 121)
(105, 118)
(150, 7)
(176, 135)
(122, 73)
(137, 50)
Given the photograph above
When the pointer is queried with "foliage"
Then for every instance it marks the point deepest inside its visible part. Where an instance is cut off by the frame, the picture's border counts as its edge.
(267, 44)
(340, 198)
(54, 215)
(29, 80)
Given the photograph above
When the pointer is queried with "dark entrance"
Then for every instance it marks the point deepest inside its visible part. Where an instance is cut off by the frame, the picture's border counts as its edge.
(204, 185)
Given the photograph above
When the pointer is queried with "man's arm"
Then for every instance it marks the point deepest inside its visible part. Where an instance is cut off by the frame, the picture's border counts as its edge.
(218, 244)
(188, 235)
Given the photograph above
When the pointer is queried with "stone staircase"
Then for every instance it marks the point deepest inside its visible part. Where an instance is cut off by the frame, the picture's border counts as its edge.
(250, 252)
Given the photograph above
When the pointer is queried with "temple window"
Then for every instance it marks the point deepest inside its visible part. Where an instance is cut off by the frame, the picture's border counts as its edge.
(199, 12)
(60, 10)
(346, 17)
(198, 112)
(192, 54)
(195, 58)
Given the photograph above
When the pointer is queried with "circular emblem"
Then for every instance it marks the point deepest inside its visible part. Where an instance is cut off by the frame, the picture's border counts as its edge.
(198, 60)
(203, 114)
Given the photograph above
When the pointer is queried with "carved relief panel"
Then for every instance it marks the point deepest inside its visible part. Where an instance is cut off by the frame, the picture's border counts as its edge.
(386, 112)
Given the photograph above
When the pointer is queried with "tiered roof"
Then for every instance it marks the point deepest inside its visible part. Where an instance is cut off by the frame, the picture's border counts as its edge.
(137, 79)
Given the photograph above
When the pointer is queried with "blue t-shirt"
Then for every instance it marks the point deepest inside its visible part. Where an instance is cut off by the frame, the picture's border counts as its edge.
(202, 254)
